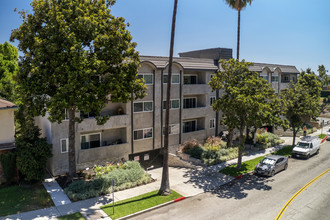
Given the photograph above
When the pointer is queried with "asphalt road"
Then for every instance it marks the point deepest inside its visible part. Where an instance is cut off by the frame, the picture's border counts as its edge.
(254, 197)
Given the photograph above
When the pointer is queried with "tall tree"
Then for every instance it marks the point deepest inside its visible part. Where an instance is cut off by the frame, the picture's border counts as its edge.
(75, 52)
(324, 78)
(165, 184)
(238, 5)
(244, 93)
(8, 70)
(302, 101)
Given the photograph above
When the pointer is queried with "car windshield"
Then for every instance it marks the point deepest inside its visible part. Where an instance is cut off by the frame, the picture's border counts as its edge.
(302, 145)
(268, 161)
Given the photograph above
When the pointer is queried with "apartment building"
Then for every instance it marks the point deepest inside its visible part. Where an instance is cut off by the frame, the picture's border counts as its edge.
(135, 129)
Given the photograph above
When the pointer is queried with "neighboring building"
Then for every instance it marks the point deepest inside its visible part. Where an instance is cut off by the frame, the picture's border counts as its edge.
(7, 129)
(135, 129)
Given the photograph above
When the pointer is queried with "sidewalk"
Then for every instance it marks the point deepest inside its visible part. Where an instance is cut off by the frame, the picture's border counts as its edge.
(187, 182)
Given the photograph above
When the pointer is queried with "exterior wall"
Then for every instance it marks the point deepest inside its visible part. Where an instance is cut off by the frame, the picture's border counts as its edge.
(7, 128)
(124, 121)
(44, 124)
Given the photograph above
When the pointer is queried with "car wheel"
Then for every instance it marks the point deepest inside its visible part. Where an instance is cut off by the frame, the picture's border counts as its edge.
(272, 173)
(286, 166)
(318, 151)
(308, 156)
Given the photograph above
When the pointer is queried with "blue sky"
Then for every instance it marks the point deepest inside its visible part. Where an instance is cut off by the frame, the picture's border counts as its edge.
(294, 32)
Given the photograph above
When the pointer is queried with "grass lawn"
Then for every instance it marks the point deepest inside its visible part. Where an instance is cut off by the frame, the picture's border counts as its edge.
(138, 203)
(16, 199)
(322, 136)
(249, 165)
(74, 216)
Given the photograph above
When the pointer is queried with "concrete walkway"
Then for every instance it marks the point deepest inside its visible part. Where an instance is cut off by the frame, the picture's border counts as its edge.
(187, 182)
(56, 192)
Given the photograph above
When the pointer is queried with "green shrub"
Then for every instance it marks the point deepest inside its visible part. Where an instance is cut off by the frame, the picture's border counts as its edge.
(266, 140)
(196, 152)
(212, 157)
(129, 175)
(32, 154)
(8, 162)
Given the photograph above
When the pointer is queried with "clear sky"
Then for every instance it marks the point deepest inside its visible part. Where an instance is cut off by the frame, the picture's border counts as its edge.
(295, 32)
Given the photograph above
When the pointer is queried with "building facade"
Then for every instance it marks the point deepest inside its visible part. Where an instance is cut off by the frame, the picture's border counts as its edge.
(7, 130)
(135, 129)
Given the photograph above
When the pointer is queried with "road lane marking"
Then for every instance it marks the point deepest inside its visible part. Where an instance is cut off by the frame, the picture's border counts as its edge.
(279, 216)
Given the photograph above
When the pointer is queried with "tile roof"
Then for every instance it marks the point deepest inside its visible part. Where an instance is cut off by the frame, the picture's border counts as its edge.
(4, 104)
(258, 67)
(186, 62)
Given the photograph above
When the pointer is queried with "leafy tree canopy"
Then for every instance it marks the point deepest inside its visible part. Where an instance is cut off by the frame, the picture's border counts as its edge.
(324, 78)
(302, 100)
(8, 70)
(75, 53)
(245, 97)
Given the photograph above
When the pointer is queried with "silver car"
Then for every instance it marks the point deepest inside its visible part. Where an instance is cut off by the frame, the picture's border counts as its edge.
(271, 165)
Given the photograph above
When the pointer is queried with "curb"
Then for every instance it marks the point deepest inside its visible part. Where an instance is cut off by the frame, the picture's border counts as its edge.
(152, 208)
(324, 139)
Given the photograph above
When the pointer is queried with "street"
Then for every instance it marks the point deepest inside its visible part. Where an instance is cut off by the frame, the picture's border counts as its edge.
(255, 197)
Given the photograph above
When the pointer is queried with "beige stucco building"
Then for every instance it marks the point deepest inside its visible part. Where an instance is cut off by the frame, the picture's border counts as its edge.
(135, 129)
(7, 129)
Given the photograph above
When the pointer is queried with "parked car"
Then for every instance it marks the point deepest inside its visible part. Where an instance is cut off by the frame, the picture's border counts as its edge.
(271, 165)
(328, 136)
(307, 147)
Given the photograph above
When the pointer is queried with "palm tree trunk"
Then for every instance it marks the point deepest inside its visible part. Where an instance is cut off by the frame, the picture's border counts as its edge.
(165, 184)
(72, 151)
(238, 32)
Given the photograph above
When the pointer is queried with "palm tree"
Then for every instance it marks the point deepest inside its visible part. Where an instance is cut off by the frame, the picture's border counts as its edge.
(238, 5)
(165, 185)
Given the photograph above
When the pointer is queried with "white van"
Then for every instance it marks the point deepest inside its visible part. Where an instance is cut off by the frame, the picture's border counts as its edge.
(306, 147)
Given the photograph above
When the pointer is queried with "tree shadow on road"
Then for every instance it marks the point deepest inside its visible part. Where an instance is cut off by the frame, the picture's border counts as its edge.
(239, 189)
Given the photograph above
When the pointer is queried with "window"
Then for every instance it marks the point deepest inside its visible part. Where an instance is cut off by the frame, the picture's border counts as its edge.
(274, 78)
(212, 123)
(64, 145)
(143, 106)
(87, 115)
(212, 100)
(189, 103)
(190, 79)
(173, 129)
(147, 78)
(189, 126)
(143, 134)
(265, 77)
(90, 141)
(293, 79)
(175, 104)
(66, 113)
(175, 78)
(286, 79)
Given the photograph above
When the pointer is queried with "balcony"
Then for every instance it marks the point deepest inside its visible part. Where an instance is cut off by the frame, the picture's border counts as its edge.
(194, 112)
(116, 121)
(192, 89)
(198, 135)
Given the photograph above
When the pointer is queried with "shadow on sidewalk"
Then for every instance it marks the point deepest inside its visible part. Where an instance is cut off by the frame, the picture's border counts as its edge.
(205, 179)
(238, 189)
